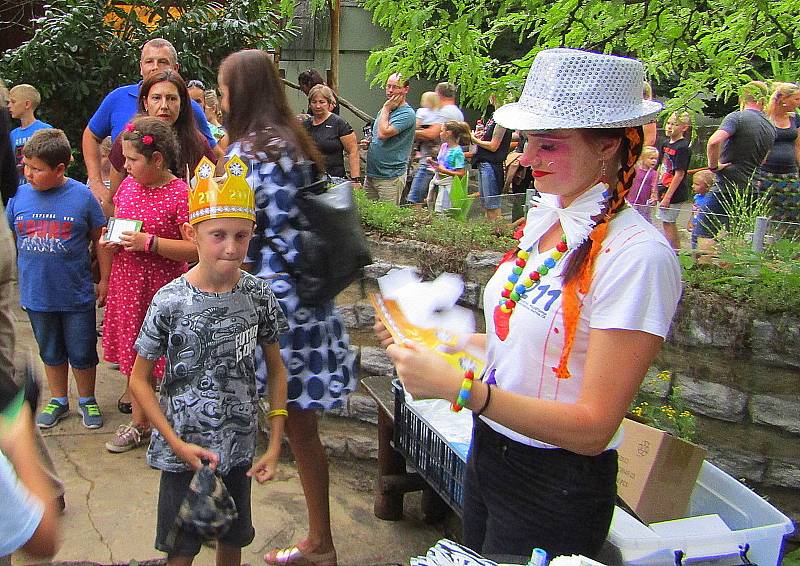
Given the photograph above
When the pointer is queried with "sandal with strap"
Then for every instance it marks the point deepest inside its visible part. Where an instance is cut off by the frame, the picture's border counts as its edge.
(293, 556)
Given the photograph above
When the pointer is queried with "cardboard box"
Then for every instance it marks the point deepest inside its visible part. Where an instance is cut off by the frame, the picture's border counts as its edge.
(657, 472)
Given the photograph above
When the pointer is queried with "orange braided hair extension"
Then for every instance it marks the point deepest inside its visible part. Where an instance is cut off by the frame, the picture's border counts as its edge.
(630, 149)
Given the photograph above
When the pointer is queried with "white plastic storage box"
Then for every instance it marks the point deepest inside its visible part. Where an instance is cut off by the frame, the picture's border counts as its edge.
(724, 518)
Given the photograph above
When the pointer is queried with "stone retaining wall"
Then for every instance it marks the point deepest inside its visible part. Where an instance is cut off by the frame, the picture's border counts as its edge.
(738, 370)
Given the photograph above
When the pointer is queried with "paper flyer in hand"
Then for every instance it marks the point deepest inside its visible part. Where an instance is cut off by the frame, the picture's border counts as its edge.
(116, 226)
(437, 339)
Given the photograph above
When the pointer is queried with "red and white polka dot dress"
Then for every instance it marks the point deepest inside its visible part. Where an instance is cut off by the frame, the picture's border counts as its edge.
(136, 276)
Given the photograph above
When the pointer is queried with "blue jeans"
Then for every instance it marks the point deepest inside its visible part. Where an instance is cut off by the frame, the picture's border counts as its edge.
(517, 497)
(66, 336)
(488, 185)
(419, 186)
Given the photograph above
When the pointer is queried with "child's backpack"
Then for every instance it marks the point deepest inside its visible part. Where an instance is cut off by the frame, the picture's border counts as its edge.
(333, 248)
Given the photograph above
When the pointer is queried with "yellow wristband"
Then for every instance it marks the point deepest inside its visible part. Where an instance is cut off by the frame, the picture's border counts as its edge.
(277, 413)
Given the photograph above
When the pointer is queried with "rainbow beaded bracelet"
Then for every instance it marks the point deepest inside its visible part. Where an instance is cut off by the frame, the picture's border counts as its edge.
(466, 389)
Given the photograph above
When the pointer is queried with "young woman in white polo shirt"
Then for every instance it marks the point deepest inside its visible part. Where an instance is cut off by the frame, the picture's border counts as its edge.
(574, 317)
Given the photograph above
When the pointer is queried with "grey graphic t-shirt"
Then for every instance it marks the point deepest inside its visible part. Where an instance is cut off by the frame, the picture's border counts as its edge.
(209, 389)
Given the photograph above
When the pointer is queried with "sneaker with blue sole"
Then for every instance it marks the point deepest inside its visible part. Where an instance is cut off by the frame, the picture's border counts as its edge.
(51, 414)
(92, 418)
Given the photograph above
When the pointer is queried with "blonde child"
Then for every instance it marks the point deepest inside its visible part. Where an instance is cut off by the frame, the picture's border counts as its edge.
(192, 423)
(144, 260)
(672, 188)
(450, 163)
(428, 111)
(702, 181)
(643, 192)
(213, 115)
(23, 100)
(427, 116)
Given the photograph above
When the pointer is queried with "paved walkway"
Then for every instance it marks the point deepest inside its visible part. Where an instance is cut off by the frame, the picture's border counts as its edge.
(111, 498)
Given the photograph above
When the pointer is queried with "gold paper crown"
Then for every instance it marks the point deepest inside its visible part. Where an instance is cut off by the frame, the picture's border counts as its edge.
(234, 199)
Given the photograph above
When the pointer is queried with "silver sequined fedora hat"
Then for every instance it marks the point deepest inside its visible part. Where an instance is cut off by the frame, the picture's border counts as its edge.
(570, 88)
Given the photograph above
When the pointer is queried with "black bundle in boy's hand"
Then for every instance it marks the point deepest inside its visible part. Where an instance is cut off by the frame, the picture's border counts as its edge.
(208, 511)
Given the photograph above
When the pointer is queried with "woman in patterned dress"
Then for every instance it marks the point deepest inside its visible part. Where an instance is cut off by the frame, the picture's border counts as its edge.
(265, 134)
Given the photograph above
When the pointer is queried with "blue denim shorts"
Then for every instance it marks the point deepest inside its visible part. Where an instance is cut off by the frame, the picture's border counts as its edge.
(66, 337)
(489, 186)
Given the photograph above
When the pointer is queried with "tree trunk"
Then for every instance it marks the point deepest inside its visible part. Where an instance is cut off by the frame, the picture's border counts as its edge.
(334, 75)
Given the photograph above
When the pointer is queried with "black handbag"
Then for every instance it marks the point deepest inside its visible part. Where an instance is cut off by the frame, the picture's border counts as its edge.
(333, 247)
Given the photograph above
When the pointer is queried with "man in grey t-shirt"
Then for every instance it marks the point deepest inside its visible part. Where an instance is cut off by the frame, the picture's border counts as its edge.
(734, 152)
(742, 141)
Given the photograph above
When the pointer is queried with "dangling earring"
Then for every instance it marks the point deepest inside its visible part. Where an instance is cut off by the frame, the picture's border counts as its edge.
(602, 168)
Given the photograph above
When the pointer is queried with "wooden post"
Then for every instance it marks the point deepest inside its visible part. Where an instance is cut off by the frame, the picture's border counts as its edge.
(336, 10)
(388, 502)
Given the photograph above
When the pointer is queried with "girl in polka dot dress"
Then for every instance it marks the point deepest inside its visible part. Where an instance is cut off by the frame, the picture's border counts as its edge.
(316, 350)
(146, 260)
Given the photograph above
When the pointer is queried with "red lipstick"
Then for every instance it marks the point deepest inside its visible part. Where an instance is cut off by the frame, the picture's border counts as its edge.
(538, 174)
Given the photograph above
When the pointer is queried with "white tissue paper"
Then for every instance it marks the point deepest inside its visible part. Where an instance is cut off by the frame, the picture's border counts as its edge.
(429, 304)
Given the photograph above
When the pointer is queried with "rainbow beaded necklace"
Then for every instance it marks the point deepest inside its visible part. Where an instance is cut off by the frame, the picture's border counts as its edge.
(517, 286)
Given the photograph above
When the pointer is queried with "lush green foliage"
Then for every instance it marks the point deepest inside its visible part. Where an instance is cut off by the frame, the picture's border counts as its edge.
(455, 239)
(390, 220)
(694, 50)
(770, 281)
(792, 558)
(78, 54)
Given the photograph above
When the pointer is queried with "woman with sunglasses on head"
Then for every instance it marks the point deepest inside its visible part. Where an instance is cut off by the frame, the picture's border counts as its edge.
(569, 335)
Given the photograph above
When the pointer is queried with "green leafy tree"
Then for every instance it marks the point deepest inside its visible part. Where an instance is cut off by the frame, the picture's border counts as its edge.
(695, 51)
(83, 49)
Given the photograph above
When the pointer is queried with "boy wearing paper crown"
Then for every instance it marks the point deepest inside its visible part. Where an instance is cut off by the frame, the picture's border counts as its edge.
(208, 323)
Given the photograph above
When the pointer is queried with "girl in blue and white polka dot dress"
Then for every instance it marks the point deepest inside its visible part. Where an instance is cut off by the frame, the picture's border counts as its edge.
(316, 350)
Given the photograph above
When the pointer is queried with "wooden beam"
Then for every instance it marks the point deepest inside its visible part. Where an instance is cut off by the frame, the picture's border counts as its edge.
(336, 11)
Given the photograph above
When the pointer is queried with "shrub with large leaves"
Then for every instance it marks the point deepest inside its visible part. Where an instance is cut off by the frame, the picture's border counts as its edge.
(83, 49)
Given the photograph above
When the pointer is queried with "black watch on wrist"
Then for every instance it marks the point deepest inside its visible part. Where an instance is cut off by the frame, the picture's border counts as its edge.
(357, 179)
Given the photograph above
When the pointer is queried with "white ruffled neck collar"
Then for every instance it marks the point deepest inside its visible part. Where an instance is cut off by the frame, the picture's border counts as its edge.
(577, 219)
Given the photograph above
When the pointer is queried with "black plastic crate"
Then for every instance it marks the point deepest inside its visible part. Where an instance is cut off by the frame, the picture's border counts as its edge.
(428, 452)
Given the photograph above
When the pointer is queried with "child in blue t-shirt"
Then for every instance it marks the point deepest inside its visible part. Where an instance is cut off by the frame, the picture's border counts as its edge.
(54, 219)
(702, 181)
(450, 163)
(23, 100)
